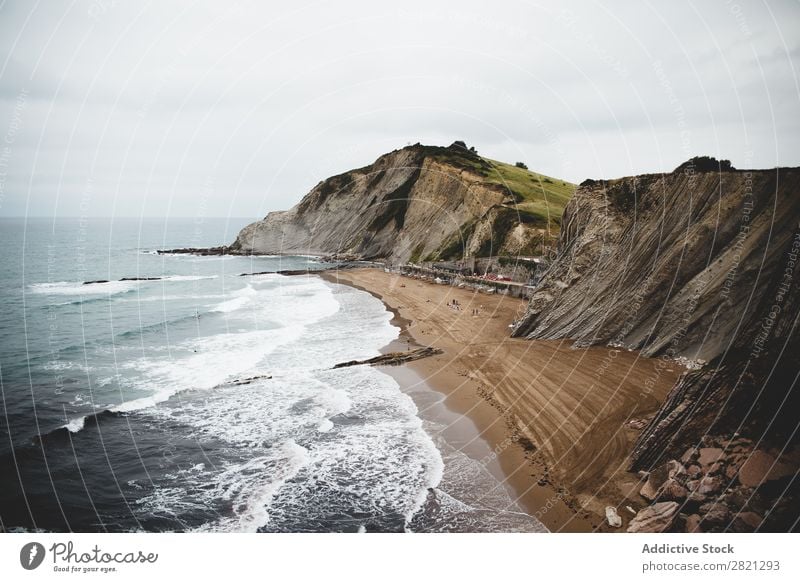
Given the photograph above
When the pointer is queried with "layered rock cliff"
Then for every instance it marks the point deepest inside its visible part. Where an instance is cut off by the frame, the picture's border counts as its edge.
(417, 203)
(699, 264)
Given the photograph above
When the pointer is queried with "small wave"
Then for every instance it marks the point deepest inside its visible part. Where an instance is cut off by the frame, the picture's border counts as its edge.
(82, 301)
(76, 425)
(158, 326)
(106, 287)
(188, 277)
(231, 305)
(241, 298)
(145, 402)
(63, 365)
(78, 288)
(251, 486)
(190, 258)
(164, 298)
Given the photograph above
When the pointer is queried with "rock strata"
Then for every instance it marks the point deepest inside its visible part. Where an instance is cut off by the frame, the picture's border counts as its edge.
(393, 358)
(699, 267)
(418, 203)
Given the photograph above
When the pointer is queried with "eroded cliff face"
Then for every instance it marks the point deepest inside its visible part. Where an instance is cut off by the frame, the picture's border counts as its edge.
(701, 264)
(670, 264)
(416, 203)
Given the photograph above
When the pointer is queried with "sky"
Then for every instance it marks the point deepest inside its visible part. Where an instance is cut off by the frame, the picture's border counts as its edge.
(112, 108)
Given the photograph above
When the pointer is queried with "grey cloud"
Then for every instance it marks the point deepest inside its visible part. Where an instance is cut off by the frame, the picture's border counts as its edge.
(149, 103)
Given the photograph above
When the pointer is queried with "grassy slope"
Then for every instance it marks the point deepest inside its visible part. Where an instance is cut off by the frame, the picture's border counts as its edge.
(534, 198)
(541, 197)
(538, 195)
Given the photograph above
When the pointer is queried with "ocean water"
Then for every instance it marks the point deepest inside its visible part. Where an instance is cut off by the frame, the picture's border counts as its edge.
(206, 400)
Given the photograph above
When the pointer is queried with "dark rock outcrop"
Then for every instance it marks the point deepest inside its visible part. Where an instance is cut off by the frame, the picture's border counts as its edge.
(123, 279)
(209, 251)
(250, 380)
(393, 358)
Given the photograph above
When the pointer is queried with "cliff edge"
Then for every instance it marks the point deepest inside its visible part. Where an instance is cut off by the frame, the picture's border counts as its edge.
(418, 203)
(699, 265)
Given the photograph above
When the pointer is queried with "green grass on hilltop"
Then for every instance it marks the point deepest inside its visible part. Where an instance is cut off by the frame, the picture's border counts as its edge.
(537, 198)
(536, 194)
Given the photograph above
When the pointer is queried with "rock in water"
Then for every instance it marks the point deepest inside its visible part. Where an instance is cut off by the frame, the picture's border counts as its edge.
(655, 518)
(612, 517)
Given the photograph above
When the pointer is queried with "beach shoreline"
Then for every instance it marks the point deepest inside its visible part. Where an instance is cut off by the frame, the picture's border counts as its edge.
(503, 455)
(486, 377)
(477, 423)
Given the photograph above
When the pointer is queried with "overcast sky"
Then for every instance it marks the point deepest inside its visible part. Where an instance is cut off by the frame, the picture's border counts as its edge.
(113, 108)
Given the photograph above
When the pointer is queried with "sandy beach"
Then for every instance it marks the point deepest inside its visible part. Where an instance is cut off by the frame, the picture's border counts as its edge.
(553, 417)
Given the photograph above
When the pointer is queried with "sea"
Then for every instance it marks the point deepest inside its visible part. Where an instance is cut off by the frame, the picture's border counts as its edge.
(205, 399)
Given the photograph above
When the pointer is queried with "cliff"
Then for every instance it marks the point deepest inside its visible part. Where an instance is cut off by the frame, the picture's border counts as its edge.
(699, 264)
(417, 203)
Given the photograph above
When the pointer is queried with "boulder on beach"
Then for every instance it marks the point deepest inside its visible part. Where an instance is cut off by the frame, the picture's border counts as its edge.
(612, 517)
(655, 479)
(693, 524)
(760, 467)
(710, 455)
(672, 490)
(748, 520)
(709, 485)
(656, 518)
(716, 514)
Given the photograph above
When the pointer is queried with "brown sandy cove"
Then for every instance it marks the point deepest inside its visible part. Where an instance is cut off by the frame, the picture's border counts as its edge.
(554, 417)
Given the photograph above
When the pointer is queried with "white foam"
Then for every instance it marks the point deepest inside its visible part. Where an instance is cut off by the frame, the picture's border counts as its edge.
(207, 363)
(108, 288)
(78, 288)
(64, 365)
(187, 277)
(241, 297)
(183, 297)
(231, 305)
(310, 442)
(250, 487)
(75, 425)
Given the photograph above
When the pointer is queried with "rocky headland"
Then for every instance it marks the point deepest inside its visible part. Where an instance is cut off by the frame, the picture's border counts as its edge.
(414, 204)
(694, 270)
(700, 266)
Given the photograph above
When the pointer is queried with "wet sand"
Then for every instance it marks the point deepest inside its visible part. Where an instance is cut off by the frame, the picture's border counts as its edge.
(553, 417)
